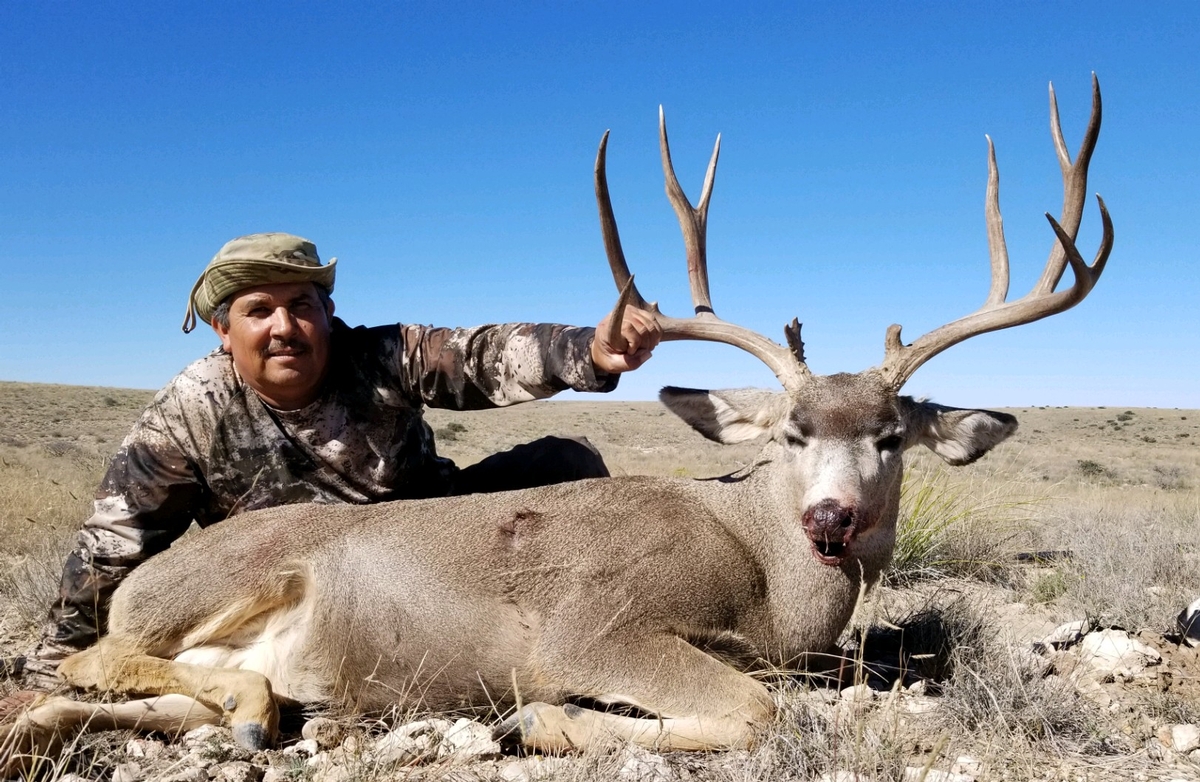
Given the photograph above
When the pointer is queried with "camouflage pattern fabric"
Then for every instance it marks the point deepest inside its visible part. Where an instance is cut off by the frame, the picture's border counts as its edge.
(208, 447)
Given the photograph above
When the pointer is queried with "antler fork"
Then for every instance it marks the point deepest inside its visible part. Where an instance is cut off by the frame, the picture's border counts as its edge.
(787, 363)
(901, 361)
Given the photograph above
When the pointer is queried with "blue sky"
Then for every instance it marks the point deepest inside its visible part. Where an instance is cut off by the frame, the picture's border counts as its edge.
(444, 154)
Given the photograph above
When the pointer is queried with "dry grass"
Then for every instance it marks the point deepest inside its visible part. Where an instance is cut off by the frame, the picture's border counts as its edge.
(1116, 488)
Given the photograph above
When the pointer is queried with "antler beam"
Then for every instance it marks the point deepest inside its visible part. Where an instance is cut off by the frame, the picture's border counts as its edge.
(901, 361)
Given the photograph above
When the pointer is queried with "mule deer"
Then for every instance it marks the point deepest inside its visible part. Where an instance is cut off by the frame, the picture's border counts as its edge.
(621, 590)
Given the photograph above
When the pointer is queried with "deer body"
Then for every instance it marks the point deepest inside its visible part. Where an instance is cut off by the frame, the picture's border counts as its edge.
(653, 592)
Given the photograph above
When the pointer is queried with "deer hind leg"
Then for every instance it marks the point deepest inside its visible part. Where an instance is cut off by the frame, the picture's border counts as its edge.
(245, 697)
(702, 703)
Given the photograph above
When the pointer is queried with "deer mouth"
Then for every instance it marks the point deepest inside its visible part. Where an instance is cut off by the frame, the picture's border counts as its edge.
(830, 552)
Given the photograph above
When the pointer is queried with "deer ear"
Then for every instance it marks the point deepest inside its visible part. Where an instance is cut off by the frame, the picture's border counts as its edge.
(728, 417)
(959, 436)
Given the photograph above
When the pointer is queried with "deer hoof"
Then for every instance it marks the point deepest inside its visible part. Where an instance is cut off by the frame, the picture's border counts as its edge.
(252, 736)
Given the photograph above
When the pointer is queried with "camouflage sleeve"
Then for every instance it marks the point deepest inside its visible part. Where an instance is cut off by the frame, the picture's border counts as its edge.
(498, 365)
(147, 499)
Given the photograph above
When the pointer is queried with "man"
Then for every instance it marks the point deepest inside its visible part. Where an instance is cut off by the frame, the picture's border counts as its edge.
(295, 406)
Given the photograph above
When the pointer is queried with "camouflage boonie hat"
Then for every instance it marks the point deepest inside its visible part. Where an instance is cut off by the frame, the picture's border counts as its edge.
(257, 259)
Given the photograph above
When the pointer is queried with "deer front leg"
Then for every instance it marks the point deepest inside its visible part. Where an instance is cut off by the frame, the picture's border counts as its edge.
(36, 735)
(702, 703)
(244, 696)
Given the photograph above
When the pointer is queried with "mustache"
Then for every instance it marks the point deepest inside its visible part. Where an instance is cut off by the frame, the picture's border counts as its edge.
(285, 346)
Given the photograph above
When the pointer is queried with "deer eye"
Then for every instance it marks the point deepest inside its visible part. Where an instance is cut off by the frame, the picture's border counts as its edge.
(890, 443)
(795, 440)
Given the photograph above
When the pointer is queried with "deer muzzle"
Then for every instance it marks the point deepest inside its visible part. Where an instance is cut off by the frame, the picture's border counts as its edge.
(831, 527)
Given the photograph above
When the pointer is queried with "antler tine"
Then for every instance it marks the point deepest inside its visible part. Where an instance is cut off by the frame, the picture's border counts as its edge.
(788, 365)
(901, 361)
(692, 221)
(997, 248)
(1074, 182)
(612, 239)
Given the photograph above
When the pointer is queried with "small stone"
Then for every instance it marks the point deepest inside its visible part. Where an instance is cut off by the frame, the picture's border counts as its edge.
(914, 774)
(536, 769)
(468, 739)
(304, 748)
(326, 732)
(194, 774)
(859, 693)
(237, 771)
(918, 704)
(967, 766)
(202, 734)
(127, 772)
(333, 772)
(1067, 634)
(1184, 738)
(919, 687)
(842, 776)
(1112, 653)
(144, 748)
(411, 741)
(274, 774)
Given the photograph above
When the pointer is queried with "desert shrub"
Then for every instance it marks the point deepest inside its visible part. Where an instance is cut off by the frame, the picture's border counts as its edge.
(1169, 477)
(996, 691)
(1049, 586)
(1091, 469)
(1140, 572)
(1126, 416)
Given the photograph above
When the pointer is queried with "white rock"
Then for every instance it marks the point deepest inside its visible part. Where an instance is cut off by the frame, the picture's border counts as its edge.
(326, 732)
(967, 766)
(1185, 738)
(914, 774)
(144, 748)
(188, 775)
(1067, 634)
(919, 687)
(127, 772)
(274, 774)
(859, 693)
(843, 776)
(237, 771)
(918, 704)
(333, 772)
(201, 734)
(304, 748)
(469, 739)
(402, 748)
(535, 769)
(1113, 653)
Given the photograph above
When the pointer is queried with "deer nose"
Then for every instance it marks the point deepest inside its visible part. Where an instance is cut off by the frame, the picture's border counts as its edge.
(829, 519)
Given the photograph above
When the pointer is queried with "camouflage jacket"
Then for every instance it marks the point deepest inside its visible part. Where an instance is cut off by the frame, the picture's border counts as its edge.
(207, 447)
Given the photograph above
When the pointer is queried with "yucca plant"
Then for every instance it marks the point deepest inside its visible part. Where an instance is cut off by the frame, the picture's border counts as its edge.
(954, 529)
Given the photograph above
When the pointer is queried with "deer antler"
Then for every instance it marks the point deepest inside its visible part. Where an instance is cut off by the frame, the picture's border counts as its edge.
(787, 363)
(901, 361)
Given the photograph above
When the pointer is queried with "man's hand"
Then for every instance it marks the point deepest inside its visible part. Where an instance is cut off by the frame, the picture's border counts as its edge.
(641, 333)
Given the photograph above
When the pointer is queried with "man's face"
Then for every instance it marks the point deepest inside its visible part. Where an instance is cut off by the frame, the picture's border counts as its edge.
(278, 336)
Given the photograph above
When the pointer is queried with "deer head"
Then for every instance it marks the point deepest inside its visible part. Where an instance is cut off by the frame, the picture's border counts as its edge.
(836, 441)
